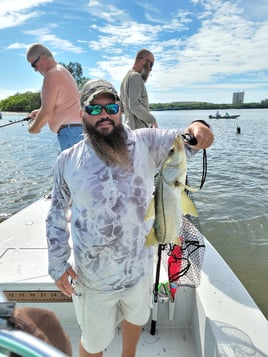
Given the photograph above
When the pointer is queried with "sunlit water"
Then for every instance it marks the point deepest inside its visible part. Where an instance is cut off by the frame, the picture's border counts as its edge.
(232, 205)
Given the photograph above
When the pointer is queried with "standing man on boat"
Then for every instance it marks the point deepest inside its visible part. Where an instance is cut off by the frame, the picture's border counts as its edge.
(60, 99)
(110, 178)
(133, 93)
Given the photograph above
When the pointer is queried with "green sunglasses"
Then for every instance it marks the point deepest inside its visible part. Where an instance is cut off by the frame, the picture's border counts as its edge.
(112, 108)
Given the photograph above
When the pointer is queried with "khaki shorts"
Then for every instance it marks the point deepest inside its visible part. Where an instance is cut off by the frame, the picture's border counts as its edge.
(99, 313)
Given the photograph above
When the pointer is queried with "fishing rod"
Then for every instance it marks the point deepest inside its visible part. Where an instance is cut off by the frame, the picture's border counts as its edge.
(15, 122)
(161, 247)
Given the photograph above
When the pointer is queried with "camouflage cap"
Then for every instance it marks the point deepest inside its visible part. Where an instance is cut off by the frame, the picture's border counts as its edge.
(94, 87)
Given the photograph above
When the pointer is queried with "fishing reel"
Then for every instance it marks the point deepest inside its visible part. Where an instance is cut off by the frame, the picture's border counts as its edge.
(189, 139)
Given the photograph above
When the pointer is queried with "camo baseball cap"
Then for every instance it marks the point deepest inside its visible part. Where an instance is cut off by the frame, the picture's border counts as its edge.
(94, 87)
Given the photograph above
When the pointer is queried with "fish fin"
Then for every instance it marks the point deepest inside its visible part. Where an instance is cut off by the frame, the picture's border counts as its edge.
(189, 188)
(151, 238)
(187, 205)
(150, 213)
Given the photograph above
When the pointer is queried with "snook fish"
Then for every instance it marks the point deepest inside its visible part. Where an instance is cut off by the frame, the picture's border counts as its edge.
(170, 200)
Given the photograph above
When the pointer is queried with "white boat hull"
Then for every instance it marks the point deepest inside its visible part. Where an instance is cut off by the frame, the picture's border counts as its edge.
(219, 318)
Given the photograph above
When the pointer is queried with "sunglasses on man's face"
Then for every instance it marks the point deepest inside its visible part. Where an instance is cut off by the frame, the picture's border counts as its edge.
(112, 108)
(33, 64)
(150, 62)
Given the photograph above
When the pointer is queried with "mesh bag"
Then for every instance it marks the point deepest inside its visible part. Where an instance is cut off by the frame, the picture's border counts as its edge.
(183, 264)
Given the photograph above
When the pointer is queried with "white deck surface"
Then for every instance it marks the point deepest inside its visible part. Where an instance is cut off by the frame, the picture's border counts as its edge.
(219, 318)
(166, 342)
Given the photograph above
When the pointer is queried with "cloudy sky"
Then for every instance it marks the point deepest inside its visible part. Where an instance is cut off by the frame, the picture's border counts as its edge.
(204, 49)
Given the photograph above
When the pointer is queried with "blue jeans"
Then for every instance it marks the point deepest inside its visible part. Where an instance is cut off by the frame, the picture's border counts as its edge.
(67, 137)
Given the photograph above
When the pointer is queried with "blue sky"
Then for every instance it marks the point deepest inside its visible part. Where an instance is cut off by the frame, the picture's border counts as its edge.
(204, 49)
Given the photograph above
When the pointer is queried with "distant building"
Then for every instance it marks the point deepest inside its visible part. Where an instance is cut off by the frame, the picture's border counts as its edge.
(238, 97)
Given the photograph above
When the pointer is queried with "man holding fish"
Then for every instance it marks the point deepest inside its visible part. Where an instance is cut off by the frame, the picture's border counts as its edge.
(110, 178)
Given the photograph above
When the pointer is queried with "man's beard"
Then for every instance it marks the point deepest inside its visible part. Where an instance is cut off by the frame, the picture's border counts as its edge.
(145, 72)
(111, 146)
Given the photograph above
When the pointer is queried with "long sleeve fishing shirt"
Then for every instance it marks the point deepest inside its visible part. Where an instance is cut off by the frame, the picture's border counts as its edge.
(108, 230)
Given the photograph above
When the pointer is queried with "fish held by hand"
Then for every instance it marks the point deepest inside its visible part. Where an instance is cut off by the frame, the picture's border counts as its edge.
(170, 201)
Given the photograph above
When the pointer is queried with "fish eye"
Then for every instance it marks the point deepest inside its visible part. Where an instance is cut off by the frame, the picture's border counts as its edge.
(171, 151)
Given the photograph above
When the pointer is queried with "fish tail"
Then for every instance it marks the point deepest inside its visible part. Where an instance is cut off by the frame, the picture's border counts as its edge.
(191, 189)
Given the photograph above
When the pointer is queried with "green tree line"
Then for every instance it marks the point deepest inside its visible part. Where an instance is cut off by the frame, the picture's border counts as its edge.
(28, 101)
(206, 105)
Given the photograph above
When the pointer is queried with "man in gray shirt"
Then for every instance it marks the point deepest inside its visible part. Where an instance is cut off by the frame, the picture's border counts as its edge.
(133, 94)
(109, 176)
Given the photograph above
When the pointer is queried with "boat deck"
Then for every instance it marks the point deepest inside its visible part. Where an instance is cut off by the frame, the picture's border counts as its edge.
(166, 342)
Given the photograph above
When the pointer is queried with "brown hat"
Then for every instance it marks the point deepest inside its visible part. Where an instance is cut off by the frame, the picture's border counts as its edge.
(95, 87)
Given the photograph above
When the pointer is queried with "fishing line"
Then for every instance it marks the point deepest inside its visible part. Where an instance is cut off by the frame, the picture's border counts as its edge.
(191, 140)
(205, 168)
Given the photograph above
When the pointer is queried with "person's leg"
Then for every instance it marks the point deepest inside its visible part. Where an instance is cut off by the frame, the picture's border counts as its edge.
(130, 336)
(135, 306)
(84, 353)
(96, 314)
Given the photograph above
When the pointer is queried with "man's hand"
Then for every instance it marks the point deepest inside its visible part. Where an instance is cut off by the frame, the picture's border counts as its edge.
(34, 113)
(64, 282)
(202, 133)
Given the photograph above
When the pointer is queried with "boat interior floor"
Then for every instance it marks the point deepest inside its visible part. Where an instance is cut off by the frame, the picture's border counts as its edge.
(172, 342)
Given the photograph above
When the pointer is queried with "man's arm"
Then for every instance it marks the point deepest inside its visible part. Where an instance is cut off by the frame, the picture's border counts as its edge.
(57, 228)
(135, 105)
(41, 116)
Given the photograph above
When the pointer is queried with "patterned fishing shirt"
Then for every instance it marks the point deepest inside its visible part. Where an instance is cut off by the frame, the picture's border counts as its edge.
(108, 231)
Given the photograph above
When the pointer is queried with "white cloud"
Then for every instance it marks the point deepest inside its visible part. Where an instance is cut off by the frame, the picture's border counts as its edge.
(222, 53)
(16, 45)
(108, 13)
(51, 40)
(16, 12)
(132, 33)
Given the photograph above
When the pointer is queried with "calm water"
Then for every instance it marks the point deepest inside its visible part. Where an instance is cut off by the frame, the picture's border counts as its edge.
(233, 204)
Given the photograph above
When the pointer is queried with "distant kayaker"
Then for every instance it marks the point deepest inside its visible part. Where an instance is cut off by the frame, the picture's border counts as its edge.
(60, 100)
